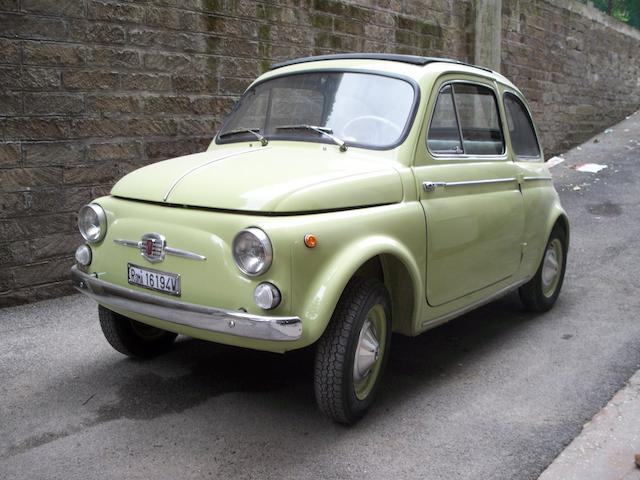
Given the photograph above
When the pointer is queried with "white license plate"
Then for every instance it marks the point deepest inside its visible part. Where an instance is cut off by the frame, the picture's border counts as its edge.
(153, 279)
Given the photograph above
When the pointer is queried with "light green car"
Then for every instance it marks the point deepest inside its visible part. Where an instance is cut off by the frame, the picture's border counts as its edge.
(345, 197)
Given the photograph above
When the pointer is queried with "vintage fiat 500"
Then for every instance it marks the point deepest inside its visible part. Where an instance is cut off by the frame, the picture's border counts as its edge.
(345, 197)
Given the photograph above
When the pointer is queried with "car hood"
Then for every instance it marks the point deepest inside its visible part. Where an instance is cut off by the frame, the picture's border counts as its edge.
(312, 177)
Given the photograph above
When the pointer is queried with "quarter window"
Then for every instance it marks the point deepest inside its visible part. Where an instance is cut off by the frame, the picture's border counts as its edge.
(444, 132)
(466, 121)
(523, 136)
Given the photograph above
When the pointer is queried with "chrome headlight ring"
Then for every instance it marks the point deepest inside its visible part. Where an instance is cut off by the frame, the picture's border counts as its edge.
(92, 222)
(252, 251)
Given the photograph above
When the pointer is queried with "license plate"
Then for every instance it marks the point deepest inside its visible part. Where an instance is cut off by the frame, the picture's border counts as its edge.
(154, 279)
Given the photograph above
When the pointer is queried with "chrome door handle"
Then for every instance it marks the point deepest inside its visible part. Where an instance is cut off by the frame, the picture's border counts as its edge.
(431, 186)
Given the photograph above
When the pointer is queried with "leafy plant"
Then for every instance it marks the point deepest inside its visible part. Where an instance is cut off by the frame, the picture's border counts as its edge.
(627, 11)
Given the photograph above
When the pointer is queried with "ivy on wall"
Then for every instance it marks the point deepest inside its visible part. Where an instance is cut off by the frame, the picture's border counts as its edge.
(627, 11)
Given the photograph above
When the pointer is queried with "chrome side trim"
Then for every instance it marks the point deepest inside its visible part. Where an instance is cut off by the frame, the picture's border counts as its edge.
(481, 182)
(176, 252)
(175, 183)
(230, 322)
(474, 305)
(529, 179)
(127, 243)
(430, 186)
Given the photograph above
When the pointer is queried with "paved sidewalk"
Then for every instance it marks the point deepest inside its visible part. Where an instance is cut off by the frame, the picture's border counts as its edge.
(606, 448)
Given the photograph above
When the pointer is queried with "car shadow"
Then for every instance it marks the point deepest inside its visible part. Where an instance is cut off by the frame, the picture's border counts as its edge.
(196, 371)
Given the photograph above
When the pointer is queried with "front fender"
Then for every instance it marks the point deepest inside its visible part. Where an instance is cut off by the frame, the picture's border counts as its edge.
(327, 286)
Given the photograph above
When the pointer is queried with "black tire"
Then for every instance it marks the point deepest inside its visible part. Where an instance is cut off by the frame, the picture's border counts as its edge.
(132, 338)
(533, 294)
(336, 387)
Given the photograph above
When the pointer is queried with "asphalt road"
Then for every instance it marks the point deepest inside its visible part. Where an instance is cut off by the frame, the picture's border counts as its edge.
(495, 394)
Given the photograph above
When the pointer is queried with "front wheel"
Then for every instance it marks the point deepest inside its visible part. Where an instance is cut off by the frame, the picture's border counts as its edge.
(352, 353)
(541, 292)
(133, 338)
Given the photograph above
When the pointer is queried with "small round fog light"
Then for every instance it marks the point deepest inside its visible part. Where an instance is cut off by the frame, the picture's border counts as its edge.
(267, 296)
(83, 255)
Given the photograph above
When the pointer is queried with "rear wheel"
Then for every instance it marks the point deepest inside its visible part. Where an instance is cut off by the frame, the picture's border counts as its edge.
(542, 291)
(133, 338)
(352, 353)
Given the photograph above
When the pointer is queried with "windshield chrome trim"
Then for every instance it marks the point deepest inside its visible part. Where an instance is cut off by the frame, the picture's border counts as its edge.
(403, 136)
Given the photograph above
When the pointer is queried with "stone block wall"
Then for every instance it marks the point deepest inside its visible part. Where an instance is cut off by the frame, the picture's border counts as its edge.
(92, 89)
(579, 68)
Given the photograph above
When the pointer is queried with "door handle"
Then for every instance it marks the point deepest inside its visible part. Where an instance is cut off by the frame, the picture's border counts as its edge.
(431, 186)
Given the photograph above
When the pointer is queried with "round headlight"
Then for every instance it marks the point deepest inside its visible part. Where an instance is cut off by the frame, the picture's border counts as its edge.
(83, 255)
(92, 222)
(252, 251)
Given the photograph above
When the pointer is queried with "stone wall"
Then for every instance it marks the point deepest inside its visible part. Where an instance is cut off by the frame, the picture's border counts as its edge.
(579, 68)
(90, 90)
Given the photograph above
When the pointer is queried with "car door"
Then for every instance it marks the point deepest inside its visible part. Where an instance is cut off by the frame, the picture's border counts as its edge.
(469, 191)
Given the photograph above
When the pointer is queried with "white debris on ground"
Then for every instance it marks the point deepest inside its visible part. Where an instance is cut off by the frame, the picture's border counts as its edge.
(589, 167)
(553, 161)
(586, 158)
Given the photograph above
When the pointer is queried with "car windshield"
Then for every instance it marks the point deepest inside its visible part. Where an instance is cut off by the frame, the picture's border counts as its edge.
(360, 109)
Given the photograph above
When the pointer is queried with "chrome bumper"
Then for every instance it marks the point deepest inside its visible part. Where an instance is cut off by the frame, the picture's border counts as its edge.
(188, 314)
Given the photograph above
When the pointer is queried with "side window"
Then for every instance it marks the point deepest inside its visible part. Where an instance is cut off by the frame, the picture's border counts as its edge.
(479, 119)
(523, 136)
(444, 133)
(466, 121)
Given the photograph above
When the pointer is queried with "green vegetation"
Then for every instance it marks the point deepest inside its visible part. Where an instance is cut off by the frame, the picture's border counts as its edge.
(627, 11)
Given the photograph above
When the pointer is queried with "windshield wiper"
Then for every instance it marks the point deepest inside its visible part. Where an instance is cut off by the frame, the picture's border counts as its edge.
(321, 130)
(254, 131)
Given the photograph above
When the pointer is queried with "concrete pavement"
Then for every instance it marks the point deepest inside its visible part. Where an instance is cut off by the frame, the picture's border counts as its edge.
(496, 394)
(607, 446)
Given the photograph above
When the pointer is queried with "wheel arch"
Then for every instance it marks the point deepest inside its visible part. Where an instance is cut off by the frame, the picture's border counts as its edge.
(557, 217)
(563, 221)
(383, 258)
(396, 277)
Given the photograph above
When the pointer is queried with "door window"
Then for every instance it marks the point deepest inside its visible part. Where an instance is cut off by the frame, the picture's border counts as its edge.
(466, 121)
(523, 136)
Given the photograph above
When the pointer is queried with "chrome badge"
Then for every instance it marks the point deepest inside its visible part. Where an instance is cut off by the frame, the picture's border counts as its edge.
(152, 247)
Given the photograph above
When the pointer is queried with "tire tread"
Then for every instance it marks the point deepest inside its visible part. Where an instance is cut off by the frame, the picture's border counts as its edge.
(119, 333)
(332, 350)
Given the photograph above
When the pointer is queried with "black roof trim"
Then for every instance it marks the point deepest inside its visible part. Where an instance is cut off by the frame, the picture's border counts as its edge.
(392, 57)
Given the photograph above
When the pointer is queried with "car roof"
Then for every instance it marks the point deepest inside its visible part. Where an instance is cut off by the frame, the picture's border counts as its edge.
(392, 57)
(414, 66)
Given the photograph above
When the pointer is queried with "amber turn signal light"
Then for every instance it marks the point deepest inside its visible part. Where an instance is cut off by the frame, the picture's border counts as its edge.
(310, 240)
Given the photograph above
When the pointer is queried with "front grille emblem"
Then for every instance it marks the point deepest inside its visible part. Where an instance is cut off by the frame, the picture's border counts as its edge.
(152, 247)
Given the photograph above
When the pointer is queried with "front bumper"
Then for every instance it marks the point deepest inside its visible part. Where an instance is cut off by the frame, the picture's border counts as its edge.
(211, 319)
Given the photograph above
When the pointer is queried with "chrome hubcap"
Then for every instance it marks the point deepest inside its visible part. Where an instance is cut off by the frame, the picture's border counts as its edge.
(551, 266)
(369, 351)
